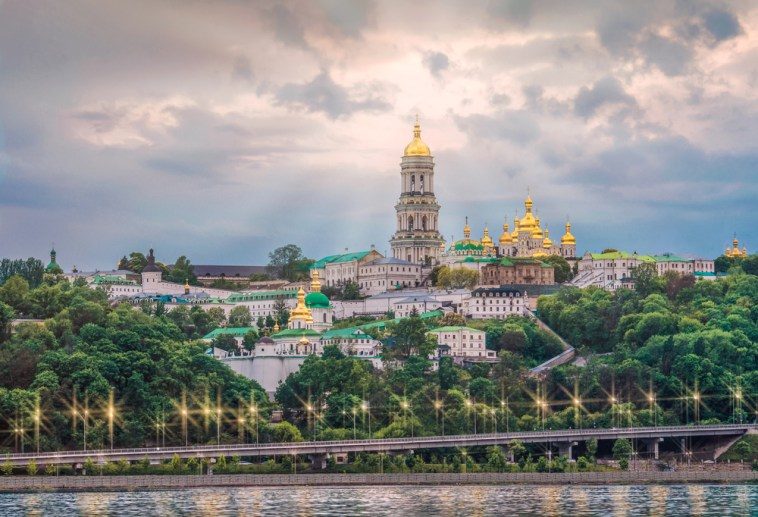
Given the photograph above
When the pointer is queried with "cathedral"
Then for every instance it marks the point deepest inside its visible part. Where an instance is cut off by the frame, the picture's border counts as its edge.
(735, 251)
(527, 239)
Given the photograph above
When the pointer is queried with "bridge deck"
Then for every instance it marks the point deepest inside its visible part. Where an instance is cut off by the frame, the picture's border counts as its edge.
(376, 445)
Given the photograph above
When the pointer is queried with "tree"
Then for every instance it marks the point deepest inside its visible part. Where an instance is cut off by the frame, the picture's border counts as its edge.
(646, 279)
(288, 262)
(452, 319)
(281, 313)
(622, 449)
(15, 292)
(31, 468)
(31, 269)
(226, 342)
(411, 338)
(137, 262)
(6, 316)
(182, 271)
(458, 278)
(7, 468)
(592, 448)
(240, 316)
(744, 449)
(561, 268)
(350, 291)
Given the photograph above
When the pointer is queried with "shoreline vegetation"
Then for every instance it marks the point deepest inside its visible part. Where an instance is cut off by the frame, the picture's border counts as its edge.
(180, 482)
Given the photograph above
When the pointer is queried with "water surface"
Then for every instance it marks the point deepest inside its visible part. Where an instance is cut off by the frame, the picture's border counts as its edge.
(720, 500)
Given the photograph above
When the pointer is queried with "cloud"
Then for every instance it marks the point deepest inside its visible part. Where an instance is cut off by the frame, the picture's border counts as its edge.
(322, 94)
(722, 24)
(607, 91)
(671, 57)
(516, 126)
(436, 63)
(287, 27)
(242, 70)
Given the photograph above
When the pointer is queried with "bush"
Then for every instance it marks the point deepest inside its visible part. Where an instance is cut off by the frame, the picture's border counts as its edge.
(7, 468)
(49, 469)
(31, 468)
(624, 464)
(582, 463)
(89, 467)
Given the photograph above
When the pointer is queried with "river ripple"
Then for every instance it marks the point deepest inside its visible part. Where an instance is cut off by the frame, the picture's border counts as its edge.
(721, 500)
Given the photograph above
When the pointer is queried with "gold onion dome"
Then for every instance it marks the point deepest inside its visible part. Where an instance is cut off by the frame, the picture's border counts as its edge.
(301, 312)
(528, 223)
(276, 327)
(506, 237)
(303, 341)
(467, 230)
(547, 243)
(568, 238)
(486, 239)
(417, 147)
(514, 233)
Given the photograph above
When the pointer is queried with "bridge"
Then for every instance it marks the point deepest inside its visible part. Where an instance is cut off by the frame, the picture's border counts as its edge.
(724, 435)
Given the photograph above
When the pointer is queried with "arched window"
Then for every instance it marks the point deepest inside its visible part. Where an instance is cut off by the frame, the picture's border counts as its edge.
(422, 183)
(410, 223)
(413, 182)
(423, 219)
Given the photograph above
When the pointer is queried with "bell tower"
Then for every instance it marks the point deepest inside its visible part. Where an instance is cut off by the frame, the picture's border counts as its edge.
(417, 238)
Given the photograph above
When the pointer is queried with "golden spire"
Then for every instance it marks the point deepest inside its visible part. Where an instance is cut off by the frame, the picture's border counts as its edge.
(301, 312)
(276, 326)
(568, 238)
(467, 230)
(315, 282)
(486, 239)
(417, 147)
(547, 243)
(186, 287)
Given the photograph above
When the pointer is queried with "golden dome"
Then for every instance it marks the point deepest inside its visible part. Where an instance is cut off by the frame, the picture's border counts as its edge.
(486, 239)
(528, 223)
(506, 237)
(303, 341)
(186, 287)
(514, 233)
(547, 243)
(417, 147)
(467, 230)
(315, 282)
(538, 254)
(301, 311)
(735, 251)
(568, 238)
(276, 327)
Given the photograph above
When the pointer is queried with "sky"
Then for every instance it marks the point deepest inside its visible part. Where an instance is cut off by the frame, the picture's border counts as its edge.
(221, 130)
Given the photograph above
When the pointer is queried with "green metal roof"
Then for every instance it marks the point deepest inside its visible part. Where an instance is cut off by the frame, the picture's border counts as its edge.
(111, 279)
(232, 331)
(350, 332)
(467, 246)
(295, 333)
(615, 255)
(668, 257)
(454, 328)
(261, 295)
(381, 324)
(317, 300)
(334, 259)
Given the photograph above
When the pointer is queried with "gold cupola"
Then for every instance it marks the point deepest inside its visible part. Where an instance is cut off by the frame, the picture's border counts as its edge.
(735, 251)
(467, 231)
(505, 237)
(528, 223)
(186, 287)
(301, 311)
(514, 233)
(547, 243)
(276, 327)
(417, 147)
(486, 239)
(568, 238)
(315, 281)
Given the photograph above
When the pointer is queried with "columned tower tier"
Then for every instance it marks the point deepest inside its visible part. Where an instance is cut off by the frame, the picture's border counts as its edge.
(417, 238)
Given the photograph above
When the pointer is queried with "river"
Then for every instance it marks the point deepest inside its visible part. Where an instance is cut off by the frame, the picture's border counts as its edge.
(720, 500)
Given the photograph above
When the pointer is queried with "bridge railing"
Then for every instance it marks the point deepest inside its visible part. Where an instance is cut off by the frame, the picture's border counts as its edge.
(417, 441)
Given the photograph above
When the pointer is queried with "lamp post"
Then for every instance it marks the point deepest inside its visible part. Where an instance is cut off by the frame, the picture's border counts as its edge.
(366, 409)
(37, 418)
(85, 417)
(696, 407)
(184, 426)
(354, 412)
(218, 426)
(438, 407)
(577, 411)
(254, 415)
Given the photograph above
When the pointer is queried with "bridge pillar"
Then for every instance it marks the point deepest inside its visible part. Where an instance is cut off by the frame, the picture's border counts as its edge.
(318, 460)
(565, 448)
(651, 446)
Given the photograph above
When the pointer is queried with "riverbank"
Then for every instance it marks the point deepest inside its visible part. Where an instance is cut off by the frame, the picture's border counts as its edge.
(121, 483)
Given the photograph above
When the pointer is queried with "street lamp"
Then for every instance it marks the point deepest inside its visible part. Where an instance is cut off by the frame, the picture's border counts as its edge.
(577, 411)
(254, 413)
(438, 408)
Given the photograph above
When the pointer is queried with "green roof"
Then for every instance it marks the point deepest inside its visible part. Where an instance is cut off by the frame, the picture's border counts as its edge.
(261, 295)
(295, 333)
(668, 257)
(454, 328)
(232, 331)
(381, 324)
(334, 259)
(615, 255)
(350, 332)
(111, 279)
(317, 300)
(467, 246)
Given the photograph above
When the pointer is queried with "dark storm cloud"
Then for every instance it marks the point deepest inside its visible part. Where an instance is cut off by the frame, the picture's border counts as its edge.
(436, 63)
(606, 91)
(322, 94)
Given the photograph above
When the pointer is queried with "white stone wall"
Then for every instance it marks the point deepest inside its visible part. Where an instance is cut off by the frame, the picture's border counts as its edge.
(464, 342)
(498, 307)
